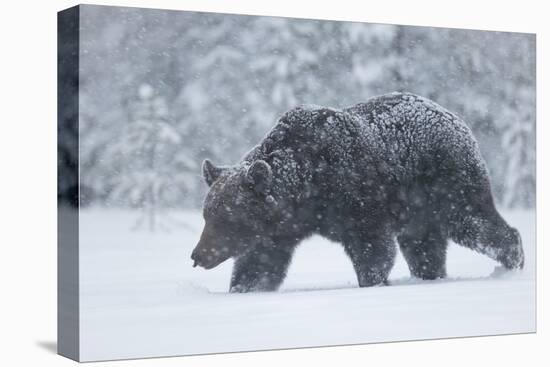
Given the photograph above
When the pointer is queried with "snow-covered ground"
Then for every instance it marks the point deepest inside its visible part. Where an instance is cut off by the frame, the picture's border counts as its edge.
(141, 297)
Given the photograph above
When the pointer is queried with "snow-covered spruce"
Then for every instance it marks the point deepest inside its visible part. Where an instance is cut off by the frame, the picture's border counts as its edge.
(398, 166)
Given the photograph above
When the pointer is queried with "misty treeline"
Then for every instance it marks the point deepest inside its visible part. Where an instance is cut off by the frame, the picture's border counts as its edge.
(163, 90)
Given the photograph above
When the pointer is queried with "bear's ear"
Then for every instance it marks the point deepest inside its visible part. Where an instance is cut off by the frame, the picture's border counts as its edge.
(210, 172)
(259, 176)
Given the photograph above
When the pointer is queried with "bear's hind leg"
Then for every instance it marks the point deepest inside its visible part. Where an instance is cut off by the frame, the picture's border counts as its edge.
(263, 269)
(372, 257)
(479, 226)
(490, 235)
(425, 252)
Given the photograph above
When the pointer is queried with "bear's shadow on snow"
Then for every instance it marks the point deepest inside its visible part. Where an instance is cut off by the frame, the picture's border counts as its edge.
(498, 273)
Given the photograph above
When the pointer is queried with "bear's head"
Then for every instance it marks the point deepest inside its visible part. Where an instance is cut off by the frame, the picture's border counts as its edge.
(237, 211)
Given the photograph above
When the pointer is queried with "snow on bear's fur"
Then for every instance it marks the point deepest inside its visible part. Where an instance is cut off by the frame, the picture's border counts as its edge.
(397, 167)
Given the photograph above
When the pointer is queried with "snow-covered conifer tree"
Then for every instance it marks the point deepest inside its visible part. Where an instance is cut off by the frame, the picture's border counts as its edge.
(149, 173)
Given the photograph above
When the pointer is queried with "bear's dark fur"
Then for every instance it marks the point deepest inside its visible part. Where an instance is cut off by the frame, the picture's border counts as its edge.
(398, 166)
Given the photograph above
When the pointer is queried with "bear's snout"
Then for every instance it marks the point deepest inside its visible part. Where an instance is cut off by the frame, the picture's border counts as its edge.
(194, 258)
(205, 258)
(208, 256)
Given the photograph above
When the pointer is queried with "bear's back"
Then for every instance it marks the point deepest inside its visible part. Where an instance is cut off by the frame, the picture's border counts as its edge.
(410, 132)
(402, 131)
(408, 119)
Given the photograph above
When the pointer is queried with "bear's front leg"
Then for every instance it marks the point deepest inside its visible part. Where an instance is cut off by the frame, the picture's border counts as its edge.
(372, 256)
(264, 268)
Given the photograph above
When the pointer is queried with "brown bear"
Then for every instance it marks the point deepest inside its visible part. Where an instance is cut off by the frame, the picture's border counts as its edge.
(397, 167)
